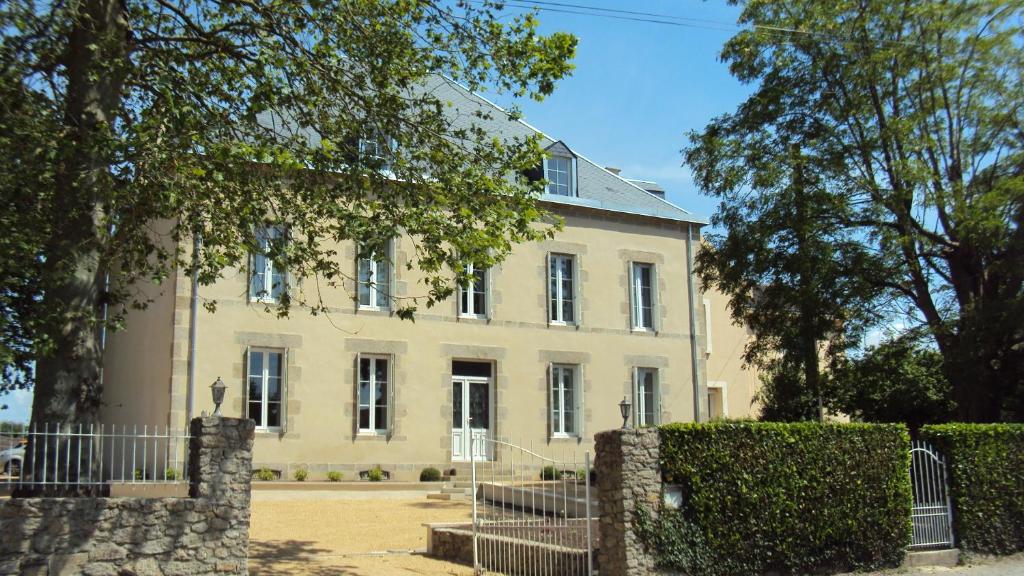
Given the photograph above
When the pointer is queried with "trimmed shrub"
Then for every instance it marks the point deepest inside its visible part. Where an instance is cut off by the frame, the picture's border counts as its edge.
(550, 473)
(300, 475)
(375, 474)
(171, 474)
(334, 476)
(265, 475)
(791, 498)
(986, 483)
(430, 474)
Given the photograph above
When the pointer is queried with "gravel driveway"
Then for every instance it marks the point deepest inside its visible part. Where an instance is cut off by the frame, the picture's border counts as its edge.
(347, 533)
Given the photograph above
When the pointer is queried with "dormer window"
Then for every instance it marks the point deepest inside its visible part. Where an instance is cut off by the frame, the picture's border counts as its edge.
(558, 172)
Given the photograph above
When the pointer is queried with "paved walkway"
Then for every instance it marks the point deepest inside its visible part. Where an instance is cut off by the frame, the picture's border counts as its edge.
(1005, 566)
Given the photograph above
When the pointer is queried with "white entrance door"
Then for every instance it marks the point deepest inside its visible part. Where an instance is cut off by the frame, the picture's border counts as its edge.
(471, 417)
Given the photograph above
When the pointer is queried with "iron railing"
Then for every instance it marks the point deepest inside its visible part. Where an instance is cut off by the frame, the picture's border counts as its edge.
(61, 456)
(533, 515)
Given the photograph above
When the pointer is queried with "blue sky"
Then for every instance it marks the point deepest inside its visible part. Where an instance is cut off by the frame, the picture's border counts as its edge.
(639, 87)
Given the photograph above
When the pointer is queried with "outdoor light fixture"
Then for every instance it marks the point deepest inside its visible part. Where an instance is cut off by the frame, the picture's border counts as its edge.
(624, 409)
(218, 394)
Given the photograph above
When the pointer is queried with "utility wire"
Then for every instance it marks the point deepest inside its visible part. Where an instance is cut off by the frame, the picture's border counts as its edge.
(681, 21)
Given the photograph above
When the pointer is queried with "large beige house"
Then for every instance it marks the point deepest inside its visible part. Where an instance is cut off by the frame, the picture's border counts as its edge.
(540, 350)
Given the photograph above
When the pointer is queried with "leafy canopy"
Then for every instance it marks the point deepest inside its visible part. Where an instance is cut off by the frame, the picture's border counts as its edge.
(130, 127)
(910, 114)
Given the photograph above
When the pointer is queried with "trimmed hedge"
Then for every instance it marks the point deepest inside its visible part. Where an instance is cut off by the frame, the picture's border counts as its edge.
(793, 498)
(986, 482)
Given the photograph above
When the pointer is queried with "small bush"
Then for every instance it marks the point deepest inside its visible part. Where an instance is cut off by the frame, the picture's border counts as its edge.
(375, 474)
(789, 498)
(334, 476)
(550, 473)
(986, 483)
(265, 475)
(171, 474)
(300, 475)
(430, 474)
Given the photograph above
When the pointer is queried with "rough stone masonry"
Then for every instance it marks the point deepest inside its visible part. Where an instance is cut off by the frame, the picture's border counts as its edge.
(206, 533)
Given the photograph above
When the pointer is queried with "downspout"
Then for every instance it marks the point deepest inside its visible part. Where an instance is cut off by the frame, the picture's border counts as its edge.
(699, 393)
(193, 335)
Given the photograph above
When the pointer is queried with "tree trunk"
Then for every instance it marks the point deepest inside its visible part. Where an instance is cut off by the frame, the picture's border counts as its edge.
(69, 387)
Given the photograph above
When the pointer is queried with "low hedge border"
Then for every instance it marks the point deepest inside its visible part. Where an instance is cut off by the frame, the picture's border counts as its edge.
(792, 498)
(986, 481)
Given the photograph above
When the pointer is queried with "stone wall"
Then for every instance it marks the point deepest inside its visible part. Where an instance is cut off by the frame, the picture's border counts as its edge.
(628, 475)
(207, 533)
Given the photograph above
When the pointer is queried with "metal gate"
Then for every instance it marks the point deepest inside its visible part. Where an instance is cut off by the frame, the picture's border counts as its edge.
(532, 514)
(932, 513)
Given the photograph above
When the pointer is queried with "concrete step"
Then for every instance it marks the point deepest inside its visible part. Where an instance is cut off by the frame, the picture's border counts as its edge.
(455, 490)
(445, 496)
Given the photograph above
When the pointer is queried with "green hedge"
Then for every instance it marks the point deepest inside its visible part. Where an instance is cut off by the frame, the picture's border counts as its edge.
(986, 469)
(792, 498)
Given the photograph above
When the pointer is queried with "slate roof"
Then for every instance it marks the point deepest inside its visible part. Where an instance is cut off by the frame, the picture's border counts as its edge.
(596, 187)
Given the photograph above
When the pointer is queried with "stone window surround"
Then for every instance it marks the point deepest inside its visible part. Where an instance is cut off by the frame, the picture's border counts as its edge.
(657, 261)
(664, 384)
(290, 345)
(584, 414)
(395, 350)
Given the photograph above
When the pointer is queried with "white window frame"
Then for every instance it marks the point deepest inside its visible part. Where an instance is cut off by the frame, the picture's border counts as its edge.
(377, 299)
(724, 387)
(264, 235)
(265, 377)
(467, 292)
(375, 428)
(556, 393)
(639, 400)
(570, 175)
(556, 300)
(637, 303)
(707, 327)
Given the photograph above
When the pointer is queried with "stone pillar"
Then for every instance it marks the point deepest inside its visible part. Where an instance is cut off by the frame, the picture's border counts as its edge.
(220, 460)
(628, 475)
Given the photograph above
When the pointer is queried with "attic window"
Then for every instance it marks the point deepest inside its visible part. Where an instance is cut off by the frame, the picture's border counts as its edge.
(558, 170)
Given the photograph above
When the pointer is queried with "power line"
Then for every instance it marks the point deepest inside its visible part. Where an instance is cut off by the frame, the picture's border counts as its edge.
(680, 21)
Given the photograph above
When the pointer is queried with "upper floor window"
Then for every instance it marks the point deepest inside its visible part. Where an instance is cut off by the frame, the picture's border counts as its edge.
(264, 392)
(564, 397)
(562, 289)
(374, 394)
(375, 281)
(558, 172)
(646, 397)
(642, 295)
(473, 295)
(374, 149)
(267, 281)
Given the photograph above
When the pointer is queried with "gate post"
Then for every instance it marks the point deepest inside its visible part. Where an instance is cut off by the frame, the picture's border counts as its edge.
(628, 476)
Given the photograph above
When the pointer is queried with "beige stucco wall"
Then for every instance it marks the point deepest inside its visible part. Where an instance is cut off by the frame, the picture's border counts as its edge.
(724, 357)
(322, 349)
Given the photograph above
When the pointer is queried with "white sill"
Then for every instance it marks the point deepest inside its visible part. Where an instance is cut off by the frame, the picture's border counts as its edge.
(561, 323)
(565, 437)
(263, 300)
(365, 308)
(642, 329)
(372, 433)
(473, 316)
(268, 430)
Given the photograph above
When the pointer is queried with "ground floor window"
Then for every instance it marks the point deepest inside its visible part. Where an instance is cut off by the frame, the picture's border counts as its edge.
(646, 397)
(374, 379)
(718, 400)
(264, 393)
(563, 400)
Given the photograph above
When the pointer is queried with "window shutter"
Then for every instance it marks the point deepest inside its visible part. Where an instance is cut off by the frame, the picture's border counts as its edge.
(574, 179)
(392, 384)
(655, 300)
(551, 399)
(580, 400)
(657, 396)
(285, 355)
(636, 396)
(245, 383)
(355, 395)
(577, 292)
(488, 291)
(547, 287)
(392, 273)
(631, 275)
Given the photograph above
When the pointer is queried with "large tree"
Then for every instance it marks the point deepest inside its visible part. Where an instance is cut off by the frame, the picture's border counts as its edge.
(919, 107)
(130, 127)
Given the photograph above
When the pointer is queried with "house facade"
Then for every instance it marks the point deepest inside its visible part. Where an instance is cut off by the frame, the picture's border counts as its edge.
(539, 350)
